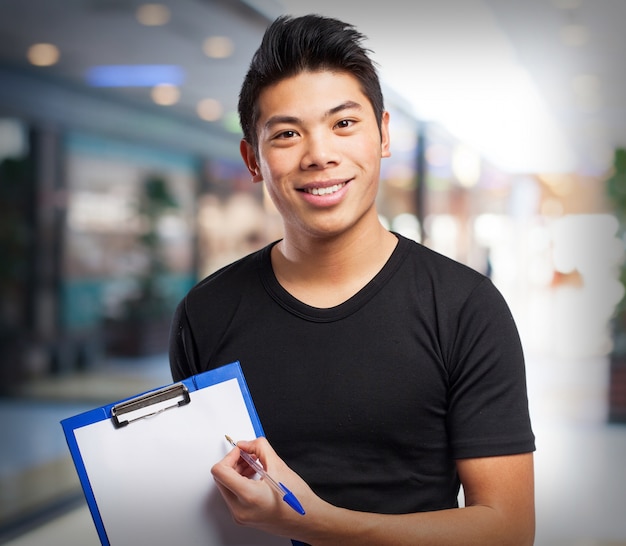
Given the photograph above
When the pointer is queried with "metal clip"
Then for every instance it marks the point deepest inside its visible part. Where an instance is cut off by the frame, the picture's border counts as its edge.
(156, 402)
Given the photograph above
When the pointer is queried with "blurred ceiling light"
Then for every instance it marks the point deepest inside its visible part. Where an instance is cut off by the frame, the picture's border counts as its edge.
(43, 54)
(165, 94)
(218, 47)
(574, 35)
(209, 109)
(153, 15)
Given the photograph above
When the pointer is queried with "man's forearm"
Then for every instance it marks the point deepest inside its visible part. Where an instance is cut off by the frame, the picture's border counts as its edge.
(474, 525)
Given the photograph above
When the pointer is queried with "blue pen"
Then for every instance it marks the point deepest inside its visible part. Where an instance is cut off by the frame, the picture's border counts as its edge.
(286, 495)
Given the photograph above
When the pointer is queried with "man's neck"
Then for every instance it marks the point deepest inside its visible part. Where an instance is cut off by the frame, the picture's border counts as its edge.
(327, 272)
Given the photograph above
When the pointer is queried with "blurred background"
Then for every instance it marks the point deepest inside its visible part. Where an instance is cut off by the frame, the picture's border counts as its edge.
(121, 186)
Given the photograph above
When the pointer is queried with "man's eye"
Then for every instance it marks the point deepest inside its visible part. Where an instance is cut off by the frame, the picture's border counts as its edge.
(286, 134)
(345, 123)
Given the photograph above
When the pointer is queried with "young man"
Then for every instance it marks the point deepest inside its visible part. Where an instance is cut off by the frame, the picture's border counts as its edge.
(385, 375)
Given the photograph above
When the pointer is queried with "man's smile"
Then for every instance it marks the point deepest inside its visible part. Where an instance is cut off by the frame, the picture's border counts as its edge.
(324, 190)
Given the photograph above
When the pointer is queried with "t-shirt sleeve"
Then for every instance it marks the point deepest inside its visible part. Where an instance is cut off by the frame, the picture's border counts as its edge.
(488, 402)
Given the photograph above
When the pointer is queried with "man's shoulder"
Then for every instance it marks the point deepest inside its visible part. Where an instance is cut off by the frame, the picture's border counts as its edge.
(229, 279)
(435, 264)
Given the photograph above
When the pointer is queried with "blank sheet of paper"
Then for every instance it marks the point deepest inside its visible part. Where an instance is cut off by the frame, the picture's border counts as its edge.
(151, 479)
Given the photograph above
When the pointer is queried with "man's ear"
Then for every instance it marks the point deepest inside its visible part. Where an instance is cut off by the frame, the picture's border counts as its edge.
(249, 158)
(384, 133)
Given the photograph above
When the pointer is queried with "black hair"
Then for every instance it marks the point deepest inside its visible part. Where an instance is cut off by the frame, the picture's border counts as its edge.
(308, 43)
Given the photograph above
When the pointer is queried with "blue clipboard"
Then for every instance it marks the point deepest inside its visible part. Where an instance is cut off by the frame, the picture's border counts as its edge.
(144, 462)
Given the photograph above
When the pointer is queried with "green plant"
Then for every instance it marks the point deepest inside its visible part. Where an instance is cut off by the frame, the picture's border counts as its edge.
(150, 301)
(616, 192)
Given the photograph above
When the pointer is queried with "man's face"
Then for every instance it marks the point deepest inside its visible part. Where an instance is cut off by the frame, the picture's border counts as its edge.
(319, 153)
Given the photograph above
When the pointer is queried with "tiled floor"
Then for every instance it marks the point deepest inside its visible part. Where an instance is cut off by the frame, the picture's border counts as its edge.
(580, 460)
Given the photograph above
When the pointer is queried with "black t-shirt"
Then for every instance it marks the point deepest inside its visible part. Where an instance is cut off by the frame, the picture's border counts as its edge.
(370, 401)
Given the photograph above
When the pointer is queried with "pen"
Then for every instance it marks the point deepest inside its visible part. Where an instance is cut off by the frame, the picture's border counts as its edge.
(286, 495)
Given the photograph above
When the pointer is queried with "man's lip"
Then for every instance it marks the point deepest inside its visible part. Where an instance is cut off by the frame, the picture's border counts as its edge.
(324, 184)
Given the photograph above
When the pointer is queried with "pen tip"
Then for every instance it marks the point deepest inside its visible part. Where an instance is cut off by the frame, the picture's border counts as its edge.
(230, 440)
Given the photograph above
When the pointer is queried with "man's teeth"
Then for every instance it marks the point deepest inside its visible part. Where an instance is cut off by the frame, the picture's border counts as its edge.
(325, 191)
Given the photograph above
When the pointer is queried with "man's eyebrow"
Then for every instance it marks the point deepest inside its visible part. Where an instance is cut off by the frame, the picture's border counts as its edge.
(348, 105)
(275, 120)
(294, 120)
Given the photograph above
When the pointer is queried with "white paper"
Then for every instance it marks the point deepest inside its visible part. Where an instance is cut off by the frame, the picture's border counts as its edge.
(152, 478)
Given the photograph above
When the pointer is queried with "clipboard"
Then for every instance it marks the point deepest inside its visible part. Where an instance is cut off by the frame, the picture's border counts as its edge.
(144, 463)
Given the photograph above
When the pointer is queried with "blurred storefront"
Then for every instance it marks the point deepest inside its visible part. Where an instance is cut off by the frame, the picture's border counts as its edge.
(103, 231)
(128, 242)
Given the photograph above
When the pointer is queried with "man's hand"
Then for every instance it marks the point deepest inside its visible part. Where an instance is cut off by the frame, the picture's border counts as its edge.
(254, 503)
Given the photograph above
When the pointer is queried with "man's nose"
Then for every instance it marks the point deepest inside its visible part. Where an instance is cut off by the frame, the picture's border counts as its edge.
(320, 151)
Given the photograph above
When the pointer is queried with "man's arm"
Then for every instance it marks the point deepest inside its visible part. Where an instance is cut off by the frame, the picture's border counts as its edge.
(499, 508)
